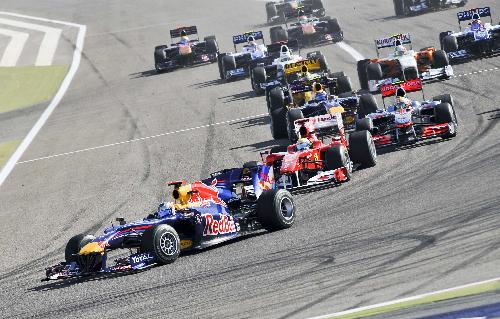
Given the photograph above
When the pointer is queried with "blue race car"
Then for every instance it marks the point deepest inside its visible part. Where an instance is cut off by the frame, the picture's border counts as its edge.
(478, 39)
(229, 204)
(240, 64)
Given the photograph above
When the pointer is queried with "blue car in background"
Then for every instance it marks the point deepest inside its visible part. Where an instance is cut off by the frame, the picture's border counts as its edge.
(229, 204)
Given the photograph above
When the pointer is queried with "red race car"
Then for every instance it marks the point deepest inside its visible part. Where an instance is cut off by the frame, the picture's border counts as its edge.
(311, 161)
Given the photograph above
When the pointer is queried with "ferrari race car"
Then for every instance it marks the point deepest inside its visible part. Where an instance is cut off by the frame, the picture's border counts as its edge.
(403, 64)
(410, 7)
(308, 30)
(187, 51)
(311, 162)
(407, 122)
(478, 39)
(229, 204)
(265, 77)
(281, 11)
(239, 64)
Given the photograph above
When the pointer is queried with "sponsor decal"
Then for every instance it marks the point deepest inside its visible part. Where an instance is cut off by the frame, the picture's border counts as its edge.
(390, 41)
(140, 258)
(205, 57)
(205, 194)
(312, 64)
(409, 86)
(266, 177)
(467, 15)
(215, 227)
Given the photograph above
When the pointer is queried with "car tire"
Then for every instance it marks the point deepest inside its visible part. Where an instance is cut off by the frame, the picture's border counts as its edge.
(336, 156)
(323, 63)
(163, 242)
(276, 99)
(212, 46)
(344, 85)
(364, 124)
(228, 63)
(291, 116)
(450, 44)
(444, 98)
(443, 35)
(334, 26)
(281, 35)
(440, 59)
(219, 64)
(278, 123)
(362, 73)
(271, 10)
(74, 245)
(374, 71)
(410, 73)
(258, 77)
(398, 7)
(276, 209)
(367, 105)
(362, 149)
(445, 113)
(251, 164)
(279, 149)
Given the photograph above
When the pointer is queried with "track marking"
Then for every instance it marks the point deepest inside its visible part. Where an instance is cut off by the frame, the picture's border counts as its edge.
(404, 303)
(349, 49)
(476, 72)
(15, 47)
(167, 133)
(77, 56)
(142, 138)
(49, 43)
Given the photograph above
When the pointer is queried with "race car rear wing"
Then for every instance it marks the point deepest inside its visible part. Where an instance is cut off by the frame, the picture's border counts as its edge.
(387, 90)
(243, 38)
(176, 33)
(274, 49)
(468, 14)
(389, 42)
(323, 125)
(313, 64)
(304, 9)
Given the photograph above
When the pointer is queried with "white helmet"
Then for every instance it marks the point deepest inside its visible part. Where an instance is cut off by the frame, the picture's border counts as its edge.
(285, 52)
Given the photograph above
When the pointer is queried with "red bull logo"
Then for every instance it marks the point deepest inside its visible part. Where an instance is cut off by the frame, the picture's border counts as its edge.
(203, 194)
(215, 227)
(266, 178)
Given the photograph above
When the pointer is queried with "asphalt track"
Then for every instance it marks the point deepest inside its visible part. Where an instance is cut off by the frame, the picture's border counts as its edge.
(423, 219)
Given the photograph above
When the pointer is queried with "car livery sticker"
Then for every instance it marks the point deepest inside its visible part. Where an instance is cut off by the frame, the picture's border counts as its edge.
(213, 227)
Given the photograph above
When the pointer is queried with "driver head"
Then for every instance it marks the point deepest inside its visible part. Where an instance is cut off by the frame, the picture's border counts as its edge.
(251, 40)
(183, 33)
(303, 131)
(400, 93)
(284, 51)
(304, 69)
(317, 87)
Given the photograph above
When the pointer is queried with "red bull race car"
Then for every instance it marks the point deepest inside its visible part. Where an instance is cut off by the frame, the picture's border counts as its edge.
(311, 161)
(409, 121)
(186, 51)
(229, 204)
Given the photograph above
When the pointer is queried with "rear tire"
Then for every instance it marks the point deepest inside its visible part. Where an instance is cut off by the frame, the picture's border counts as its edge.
(258, 77)
(398, 7)
(228, 63)
(271, 11)
(440, 59)
(276, 209)
(362, 73)
(410, 74)
(163, 242)
(291, 116)
(444, 98)
(334, 26)
(445, 113)
(374, 71)
(367, 105)
(344, 85)
(212, 45)
(362, 149)
(323, 63)
(365, 124)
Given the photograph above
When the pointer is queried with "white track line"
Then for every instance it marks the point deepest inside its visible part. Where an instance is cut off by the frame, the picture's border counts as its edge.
(77, 56)
(476, 72)
(142, 138)
(349, 49)
(399, 301)
(49, 43)
(15, 47)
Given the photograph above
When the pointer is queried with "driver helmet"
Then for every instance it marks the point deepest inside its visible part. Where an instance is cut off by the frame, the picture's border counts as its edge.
(285, 52)
(251, 41)
(304, 71)
(476, 20)
(399, 49)
(303, 143)
(319, 92)
(303, 131)
(401, 99)
(184, 37)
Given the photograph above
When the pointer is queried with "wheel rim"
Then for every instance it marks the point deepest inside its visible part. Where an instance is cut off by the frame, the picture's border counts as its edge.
(168, 244)
(287, 209)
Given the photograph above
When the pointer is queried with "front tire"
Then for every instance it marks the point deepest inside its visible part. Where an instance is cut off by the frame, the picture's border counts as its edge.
(276, 209)
(163, 242)
(258, 77)
(291, 116)
(362, 149)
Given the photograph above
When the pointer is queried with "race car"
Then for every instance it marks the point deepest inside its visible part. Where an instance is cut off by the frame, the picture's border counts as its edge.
(265, 77)
(185, 52)
(403, 64)
(478, 39)
(229, 204)
(409, 121)
(308, 30)
(311, 162)
(411, 7)
(239, 64)
(281, 11)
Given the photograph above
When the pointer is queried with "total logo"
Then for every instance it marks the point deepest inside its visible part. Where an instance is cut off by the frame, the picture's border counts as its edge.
(142, 257)
(215, 227)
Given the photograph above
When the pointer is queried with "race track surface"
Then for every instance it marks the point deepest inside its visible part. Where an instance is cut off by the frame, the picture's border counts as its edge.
(425, 218)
